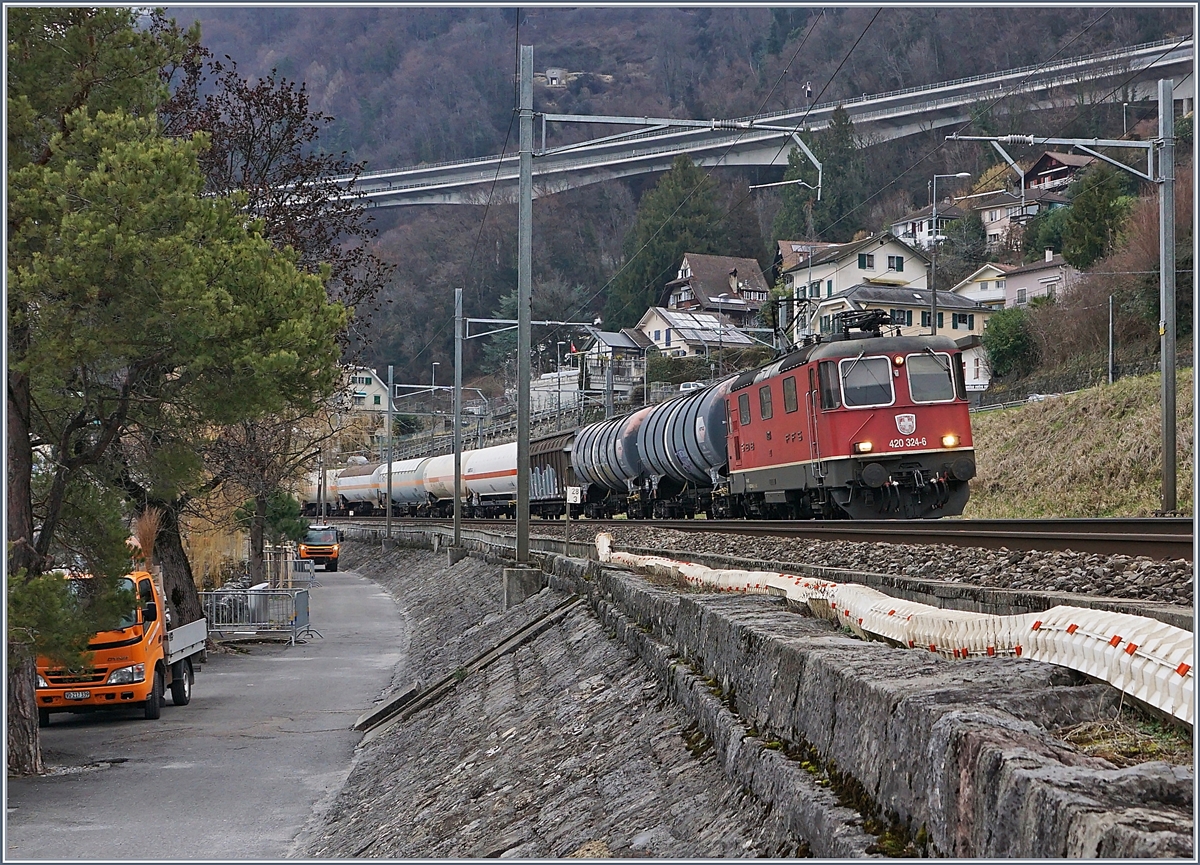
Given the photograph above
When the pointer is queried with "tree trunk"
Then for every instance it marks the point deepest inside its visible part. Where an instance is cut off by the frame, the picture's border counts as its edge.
(257, 530)
(178, 581)
(21, 551)
(24, 747)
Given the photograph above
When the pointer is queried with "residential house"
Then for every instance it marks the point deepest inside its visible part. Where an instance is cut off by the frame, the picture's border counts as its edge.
(1054, 170)
(364, 390)
(624, 352)
(686, 334)
(959, 318)
(1045, 278)
(986, 286)
(878, 260)
(734, 287)
(1005, 213)
(916, 228)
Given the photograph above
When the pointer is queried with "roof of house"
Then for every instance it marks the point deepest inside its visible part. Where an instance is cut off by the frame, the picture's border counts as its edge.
(995, 266)
(845, 250)
(1077, 160)
(637, 337)
(1005, 198)
(698, 327)
(614, 340)
(1053, 264)
(710, 279)
(945, 211)
(791, 252)
(861, 294)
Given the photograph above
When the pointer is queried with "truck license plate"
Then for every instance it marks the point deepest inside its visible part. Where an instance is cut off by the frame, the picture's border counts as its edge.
(77, 695)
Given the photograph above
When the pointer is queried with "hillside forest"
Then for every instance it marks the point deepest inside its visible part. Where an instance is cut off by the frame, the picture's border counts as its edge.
(405, 85)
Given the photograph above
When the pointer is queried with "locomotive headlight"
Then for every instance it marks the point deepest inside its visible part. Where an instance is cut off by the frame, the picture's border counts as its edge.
(898, 360)
(949, 441)
(862, 447)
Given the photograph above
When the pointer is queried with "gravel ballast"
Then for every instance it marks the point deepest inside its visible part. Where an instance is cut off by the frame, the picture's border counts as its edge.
(1139, 578)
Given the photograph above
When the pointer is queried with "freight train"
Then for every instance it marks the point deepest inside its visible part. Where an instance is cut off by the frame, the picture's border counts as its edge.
(857, 425)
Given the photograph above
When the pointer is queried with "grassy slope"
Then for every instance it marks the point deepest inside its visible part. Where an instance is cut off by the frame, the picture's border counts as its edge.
(1095, 453)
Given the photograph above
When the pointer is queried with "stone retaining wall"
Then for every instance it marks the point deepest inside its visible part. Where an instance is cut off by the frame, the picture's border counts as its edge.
(939, 757)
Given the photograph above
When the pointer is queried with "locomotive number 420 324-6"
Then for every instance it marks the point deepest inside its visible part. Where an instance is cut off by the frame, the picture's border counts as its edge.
(907, 443)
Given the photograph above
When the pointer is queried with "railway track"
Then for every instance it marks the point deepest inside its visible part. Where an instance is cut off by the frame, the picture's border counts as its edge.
(1156, 537)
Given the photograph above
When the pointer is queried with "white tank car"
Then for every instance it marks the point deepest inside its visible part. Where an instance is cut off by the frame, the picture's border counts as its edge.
(308, 489)
(437, 476)
(490, 471)
(355, 487)
(408, 485)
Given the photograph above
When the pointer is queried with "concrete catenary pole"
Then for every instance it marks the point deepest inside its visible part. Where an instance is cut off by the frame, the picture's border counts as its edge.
(458, 362)
(524, 292)
(388, 504)
(1166, 283)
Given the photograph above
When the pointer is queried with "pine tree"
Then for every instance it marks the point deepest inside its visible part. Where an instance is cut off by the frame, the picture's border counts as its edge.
(1097, 212)
(680, 215)
(836, 217)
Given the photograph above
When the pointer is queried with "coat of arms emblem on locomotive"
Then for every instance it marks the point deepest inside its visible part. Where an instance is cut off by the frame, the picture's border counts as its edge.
(906, 423)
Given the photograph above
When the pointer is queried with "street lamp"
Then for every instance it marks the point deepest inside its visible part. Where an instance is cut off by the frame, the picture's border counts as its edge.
(721, 298)
(933, 268)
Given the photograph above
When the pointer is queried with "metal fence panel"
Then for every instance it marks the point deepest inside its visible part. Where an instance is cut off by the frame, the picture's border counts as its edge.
(258, 611)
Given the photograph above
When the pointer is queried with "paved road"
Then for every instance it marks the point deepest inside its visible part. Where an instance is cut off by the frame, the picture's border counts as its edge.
(238, 773)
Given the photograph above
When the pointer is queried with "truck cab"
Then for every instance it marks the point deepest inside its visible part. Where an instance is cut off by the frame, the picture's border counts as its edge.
(320, 546)
(130, 666)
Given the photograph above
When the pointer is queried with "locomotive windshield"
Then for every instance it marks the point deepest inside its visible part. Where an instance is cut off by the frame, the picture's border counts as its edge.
(867, 381)
(929, 378)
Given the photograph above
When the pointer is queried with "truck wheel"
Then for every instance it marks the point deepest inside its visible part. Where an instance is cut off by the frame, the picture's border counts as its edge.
(181, 683)
(43, 717)
(155, 700)
(331, 566)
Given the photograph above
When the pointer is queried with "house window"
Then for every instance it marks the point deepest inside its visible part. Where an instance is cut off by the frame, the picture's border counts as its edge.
(976, 369)
(1022, 296)
(657, 335)
(744, 408)
(866, 261)
(814, 290)
(360, 400)
(376, 399)
(896, 263)
(789, 394)
(764, 402)
(1000, 283)
(925, 318)
(829, 288)
(941, 320)
(994, 238)
(965, 319)
(985, 285)
(668, 340)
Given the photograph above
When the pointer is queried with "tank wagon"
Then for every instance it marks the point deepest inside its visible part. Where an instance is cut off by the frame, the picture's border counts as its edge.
(858, 425)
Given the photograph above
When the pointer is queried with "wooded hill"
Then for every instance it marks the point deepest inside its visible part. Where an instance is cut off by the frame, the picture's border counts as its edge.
(407, 85)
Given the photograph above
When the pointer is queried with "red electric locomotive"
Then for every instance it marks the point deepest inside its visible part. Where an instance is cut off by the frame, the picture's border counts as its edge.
(860, 426)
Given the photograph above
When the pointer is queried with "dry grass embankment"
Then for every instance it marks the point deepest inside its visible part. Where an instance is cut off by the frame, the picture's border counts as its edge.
(1095, 453)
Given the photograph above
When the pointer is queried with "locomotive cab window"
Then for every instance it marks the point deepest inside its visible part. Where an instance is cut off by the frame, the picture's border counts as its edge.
(960, 376)
(743, 408)
(789, 394)
(930, 377)
(830, 392)
(764, 402)
(867, 381)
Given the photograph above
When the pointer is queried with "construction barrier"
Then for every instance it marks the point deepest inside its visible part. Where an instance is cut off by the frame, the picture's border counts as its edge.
(258, 611)
(1143, 657)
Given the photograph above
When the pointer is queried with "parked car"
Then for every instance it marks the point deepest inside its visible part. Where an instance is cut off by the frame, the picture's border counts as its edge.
(692, 385)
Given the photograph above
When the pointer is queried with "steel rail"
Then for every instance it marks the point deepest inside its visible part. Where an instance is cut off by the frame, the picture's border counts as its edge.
(1155, 537)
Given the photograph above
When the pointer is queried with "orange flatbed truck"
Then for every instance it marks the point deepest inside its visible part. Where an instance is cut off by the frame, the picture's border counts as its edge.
(131, 666)
(321, 545)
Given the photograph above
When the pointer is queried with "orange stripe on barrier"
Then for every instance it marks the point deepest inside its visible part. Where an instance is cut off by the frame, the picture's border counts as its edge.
(1036, 625)
(1115, 641)
(1072, 628)
(932, 647)
(1182, 669)
(891, 612)
(1131, 648)
(991, 651)
(1017, 649)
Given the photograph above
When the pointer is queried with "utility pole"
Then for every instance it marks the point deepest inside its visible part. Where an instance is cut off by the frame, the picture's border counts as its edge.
(388, 503)
(1161, 172)
(1166, 282)
(458, 362)
(524, 292)
(1110, 339)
